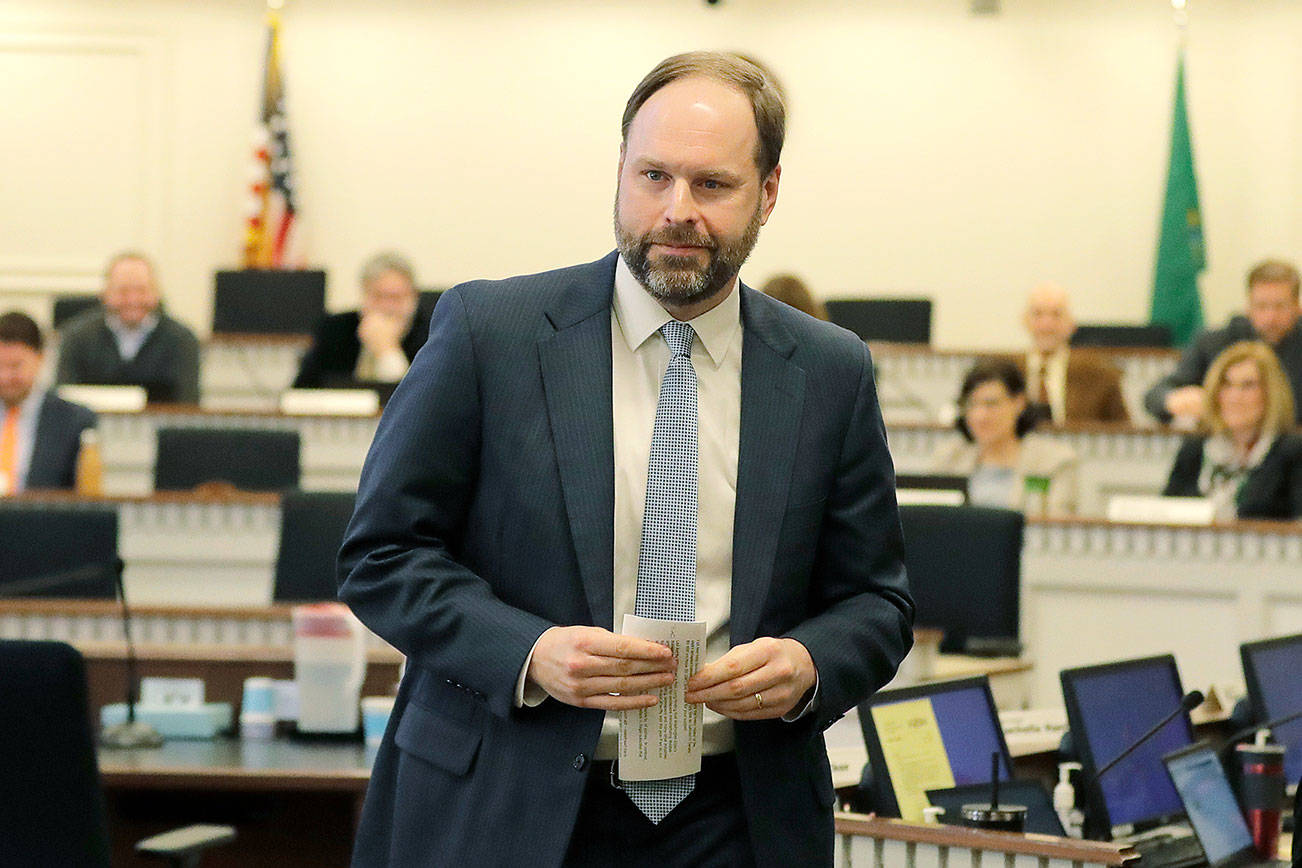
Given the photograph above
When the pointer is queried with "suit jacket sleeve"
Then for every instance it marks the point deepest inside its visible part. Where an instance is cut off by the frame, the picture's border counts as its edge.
(1183, 481)
(1189, 371)
(865, 613)
(398, 562)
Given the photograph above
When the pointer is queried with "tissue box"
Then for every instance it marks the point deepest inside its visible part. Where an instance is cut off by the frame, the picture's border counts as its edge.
(171, 722)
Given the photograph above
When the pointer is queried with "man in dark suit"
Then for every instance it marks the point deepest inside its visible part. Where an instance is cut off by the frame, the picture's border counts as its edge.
(40, 433)
(1066, 386)
(518, 502)
(1274, 315)
(374, 344)
(129, 340)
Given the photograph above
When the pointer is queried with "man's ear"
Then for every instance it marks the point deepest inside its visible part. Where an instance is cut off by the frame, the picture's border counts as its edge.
(769, 190)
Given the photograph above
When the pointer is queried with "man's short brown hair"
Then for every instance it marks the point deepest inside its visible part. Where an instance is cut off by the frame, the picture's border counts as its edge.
(735, 71)
(17, 327)
(1274, 271)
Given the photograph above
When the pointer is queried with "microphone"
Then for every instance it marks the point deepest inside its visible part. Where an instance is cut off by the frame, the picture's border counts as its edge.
(1248, 731)
(1188, 702)
(87, 574)
(132, 733)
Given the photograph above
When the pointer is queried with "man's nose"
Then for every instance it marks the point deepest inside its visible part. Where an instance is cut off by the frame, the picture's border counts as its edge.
(681, 207)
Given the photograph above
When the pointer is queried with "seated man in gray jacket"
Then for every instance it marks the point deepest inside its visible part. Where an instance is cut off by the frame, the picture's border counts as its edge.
(129, 340)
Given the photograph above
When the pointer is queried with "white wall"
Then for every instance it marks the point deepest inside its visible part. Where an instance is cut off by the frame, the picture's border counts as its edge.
(929, 150)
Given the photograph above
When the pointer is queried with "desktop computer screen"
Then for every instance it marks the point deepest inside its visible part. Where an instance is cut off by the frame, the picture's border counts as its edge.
(1109, 707)
(931, 737)
(1273, 672)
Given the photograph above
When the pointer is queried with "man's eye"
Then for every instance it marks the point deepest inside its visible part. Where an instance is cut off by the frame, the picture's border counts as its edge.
(655, 175)
(712, 184)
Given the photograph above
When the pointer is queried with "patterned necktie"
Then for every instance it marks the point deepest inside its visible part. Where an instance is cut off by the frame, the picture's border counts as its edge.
(666, 564)
(9, 451)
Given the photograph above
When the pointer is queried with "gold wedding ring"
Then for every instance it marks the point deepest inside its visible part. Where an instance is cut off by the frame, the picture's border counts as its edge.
(759, 700)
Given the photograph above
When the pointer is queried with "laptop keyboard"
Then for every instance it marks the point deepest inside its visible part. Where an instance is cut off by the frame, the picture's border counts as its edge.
(1169, 852)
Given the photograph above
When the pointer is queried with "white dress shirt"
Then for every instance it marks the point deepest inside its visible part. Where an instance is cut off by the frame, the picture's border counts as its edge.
(29, 413)
(130, 339)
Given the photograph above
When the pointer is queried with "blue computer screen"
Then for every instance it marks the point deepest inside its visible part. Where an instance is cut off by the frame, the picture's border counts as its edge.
(1278, 670)
(970, 733)
(1210, 803)
(1116, 705)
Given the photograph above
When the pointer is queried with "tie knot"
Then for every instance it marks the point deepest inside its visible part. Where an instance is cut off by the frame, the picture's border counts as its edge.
(679, 337)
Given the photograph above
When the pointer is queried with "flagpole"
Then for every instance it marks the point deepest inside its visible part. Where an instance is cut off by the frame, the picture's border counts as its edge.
(1177, 7)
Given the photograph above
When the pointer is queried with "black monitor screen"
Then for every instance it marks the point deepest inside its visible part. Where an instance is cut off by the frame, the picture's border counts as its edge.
(931, 737)
(1273, 672)
(1108, 708)
(256, 301)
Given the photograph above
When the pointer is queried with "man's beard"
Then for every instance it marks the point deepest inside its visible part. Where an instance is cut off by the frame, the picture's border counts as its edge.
(682, 280)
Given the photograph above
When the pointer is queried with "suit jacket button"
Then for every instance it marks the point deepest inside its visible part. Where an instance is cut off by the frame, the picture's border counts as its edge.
(580, 762)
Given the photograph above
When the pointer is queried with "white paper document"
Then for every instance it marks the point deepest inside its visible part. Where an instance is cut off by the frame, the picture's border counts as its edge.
(664, 741)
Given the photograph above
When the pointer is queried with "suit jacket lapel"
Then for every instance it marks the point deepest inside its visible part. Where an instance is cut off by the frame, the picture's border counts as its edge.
(574, 356)
(772, 400)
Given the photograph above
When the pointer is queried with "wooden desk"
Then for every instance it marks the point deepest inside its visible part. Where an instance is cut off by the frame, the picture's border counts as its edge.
(916, 383)
(1113, 459)
(1095, 591)
(191, 549)
(871, 842)
(248, 372)
(333, 447)
(292, 803)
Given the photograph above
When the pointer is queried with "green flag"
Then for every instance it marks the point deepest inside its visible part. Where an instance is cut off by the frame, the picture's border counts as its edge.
(1180, 254)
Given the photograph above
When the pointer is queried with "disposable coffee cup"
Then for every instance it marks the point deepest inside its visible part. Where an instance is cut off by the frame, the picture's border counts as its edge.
(1001, 818)
(258, 709)
(375, 717)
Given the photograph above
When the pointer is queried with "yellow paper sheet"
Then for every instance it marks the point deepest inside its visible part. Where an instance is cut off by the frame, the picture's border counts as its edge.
(914, 753)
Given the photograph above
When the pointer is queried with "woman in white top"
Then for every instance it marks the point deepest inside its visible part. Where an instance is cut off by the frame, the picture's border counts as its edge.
(1007, 465)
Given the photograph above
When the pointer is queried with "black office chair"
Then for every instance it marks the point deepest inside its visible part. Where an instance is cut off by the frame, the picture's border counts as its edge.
(57, 550)
(51, 805)
(68, 306)
(312, 527)
(1109, 334)
(247, 458)
(428, 299)
(901, 320)
(965, 566)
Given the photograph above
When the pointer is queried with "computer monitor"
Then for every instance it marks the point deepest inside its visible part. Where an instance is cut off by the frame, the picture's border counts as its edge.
(1272, 670)
(1109, 707)
(931, 737)
(901, 320)
(1210, 804)
(258, 301)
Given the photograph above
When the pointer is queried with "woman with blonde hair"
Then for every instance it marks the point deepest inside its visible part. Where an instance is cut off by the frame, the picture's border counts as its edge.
(1245, 459)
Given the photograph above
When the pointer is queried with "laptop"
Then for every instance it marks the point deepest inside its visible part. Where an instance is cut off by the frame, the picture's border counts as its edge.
(1211, 807)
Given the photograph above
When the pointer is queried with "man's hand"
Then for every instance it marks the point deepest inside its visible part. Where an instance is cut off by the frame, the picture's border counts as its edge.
(380, 333)
(1185, 401)
(779, 670)
(595, 668)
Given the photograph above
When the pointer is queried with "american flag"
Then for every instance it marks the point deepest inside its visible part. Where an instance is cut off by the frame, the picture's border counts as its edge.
(270, 232)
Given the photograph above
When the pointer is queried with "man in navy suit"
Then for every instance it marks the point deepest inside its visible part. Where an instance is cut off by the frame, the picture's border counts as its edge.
(498, 529)
(40, 433)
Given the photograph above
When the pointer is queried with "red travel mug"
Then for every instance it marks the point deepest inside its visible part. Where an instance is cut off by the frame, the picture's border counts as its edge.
(1263, 794)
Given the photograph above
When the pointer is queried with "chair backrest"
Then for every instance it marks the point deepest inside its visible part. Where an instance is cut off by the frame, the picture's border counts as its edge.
(258, 301)
(248, 458)
(68, 306)
(428, 299)
(964, 565)
(57, 550)
(312, 525)
(902, 320)
(1110, 334)
(51, 805)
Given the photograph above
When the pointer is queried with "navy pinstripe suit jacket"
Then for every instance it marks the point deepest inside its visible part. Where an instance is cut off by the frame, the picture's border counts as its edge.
(485, 516)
